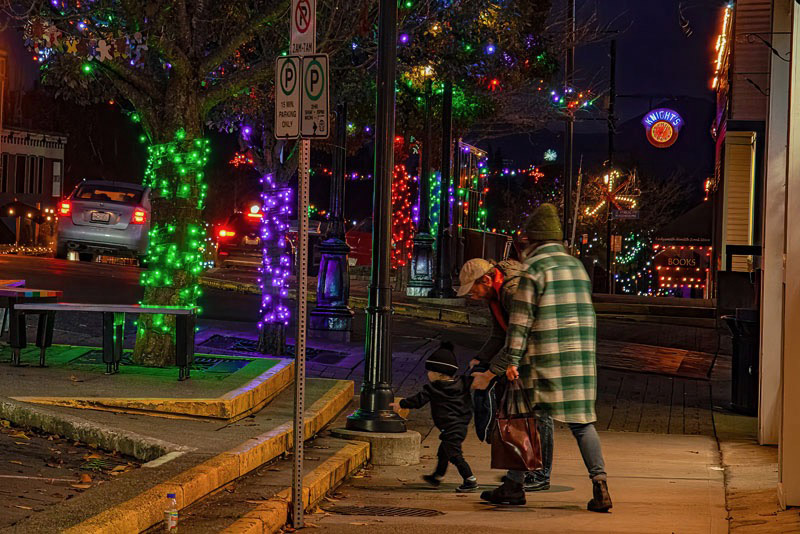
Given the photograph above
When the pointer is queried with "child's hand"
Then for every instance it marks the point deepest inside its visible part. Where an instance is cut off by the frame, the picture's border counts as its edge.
(473, 363)
(395, 406)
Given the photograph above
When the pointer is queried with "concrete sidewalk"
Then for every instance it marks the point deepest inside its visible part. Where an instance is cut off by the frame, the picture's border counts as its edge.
(659, 484)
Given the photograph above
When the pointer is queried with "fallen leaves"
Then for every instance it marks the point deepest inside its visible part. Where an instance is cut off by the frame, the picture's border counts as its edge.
(22, 507)
(85, 478)
(20, 435)
(81, 486)
(15, 462)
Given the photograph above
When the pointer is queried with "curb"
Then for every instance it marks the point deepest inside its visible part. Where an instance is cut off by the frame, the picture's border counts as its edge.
(402, 309)
(271, 516)
(110, 439)
(229, 407)
(146, 509)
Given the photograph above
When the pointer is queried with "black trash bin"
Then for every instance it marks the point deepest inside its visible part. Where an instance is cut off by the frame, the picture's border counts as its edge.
(744, 380)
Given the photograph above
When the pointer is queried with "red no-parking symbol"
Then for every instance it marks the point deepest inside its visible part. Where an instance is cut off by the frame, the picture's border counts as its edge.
(303, 17)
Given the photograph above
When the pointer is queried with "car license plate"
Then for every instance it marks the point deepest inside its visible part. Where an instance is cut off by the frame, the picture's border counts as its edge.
(251, 240)
(99, 216)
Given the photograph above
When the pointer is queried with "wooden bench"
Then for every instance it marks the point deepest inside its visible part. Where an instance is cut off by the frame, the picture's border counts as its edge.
(114, 329)
(19, 296)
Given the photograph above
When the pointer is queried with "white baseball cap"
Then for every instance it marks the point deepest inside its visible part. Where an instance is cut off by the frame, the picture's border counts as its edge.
(471, 272)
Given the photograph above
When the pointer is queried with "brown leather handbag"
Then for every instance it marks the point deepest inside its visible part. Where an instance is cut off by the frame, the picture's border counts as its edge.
(515, 439)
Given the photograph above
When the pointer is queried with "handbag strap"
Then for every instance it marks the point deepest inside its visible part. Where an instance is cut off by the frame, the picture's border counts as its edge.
(514, 391)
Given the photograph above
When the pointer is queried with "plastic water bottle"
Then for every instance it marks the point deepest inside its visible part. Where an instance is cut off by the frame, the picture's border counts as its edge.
(171, 514)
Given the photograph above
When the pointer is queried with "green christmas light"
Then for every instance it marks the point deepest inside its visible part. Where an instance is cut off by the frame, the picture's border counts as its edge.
(176, 253)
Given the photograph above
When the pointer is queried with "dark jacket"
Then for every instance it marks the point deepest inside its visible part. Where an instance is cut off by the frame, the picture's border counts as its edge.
(451, 406)
(497, 338)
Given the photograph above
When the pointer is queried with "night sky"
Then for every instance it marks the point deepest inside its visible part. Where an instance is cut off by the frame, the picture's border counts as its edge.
(655, 58)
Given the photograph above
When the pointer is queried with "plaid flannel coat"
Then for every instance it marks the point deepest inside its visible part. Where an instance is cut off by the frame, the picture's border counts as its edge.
(552, 335)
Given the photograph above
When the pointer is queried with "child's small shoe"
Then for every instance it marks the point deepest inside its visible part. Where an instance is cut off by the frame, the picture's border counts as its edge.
(468, 486)
(433, 480)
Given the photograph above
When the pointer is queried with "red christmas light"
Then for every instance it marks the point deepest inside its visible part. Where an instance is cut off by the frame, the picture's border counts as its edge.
(402, 221)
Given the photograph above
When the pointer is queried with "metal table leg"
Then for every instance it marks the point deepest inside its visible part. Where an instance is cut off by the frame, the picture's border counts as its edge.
(44, 334)
(113, 335)
(16, 333)
(184, 344)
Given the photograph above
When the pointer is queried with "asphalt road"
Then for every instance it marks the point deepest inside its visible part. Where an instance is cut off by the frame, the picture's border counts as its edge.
(114, 284)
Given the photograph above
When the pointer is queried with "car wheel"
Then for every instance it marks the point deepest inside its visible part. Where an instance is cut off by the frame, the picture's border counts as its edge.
(61, 251)
(85, 256)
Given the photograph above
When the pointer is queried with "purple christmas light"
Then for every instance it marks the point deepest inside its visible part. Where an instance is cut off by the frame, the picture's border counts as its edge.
(275, 268)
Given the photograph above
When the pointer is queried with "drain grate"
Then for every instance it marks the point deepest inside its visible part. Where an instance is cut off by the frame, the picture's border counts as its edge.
(383, 511)
(239, 344)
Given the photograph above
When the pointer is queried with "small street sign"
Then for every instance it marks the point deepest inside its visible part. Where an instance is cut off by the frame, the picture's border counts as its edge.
(287, 97)
(314, 121)
(616, 243)
(626, 214)
(304, 27)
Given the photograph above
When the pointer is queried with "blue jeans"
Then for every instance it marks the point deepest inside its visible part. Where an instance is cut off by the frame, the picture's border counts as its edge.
(588, 442)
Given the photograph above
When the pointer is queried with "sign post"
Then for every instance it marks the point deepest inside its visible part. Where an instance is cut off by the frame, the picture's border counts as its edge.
(301, 110)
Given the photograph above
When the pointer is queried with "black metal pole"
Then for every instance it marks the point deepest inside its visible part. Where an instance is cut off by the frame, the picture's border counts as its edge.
(570, 122)
(332, 318)
(374, 413)
(336, 226)
(444, 280)
(425, 168)
(612, 101)
(420, 282)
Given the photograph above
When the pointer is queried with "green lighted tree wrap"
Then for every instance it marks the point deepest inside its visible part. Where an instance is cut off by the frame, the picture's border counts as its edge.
(177, 238)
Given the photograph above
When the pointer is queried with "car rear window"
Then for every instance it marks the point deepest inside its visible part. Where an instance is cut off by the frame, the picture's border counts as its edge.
(105, 193)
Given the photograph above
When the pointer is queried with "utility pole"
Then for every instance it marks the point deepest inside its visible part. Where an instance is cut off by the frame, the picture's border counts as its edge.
(374, 413)
(444, 280)
(569, 133)
(612, 101)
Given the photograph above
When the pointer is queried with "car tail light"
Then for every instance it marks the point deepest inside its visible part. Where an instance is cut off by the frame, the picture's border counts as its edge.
(65, 208)
(225, 233)
(139, 216)
(255, 212)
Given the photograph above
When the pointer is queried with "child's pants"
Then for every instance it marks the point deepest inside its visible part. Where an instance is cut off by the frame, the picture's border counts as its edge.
(450, 452)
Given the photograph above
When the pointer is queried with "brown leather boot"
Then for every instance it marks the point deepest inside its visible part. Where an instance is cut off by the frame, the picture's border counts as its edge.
(509, 493)
(601, 501)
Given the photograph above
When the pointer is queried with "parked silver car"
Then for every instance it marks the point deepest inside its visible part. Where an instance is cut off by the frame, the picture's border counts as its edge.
(104, 218)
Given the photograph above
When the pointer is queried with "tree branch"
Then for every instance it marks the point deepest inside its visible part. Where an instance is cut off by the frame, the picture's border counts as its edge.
(238, 81)
(226, 50)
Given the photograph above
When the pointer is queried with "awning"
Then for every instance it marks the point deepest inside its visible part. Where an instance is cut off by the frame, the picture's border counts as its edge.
(693, 228)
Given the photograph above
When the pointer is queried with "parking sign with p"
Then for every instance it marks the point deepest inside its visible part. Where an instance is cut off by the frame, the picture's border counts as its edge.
(314, 119)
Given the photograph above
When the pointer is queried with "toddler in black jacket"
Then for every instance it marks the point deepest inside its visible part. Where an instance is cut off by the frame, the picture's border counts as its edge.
(451, 407)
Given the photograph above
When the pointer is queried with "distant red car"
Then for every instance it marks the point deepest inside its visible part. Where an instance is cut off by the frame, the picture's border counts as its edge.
(359, 239)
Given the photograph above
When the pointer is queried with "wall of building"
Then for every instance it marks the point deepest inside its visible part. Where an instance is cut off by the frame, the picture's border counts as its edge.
(771, 353)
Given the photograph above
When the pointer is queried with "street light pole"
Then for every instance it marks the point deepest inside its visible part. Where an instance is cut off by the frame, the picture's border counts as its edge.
(374, 413)
(420, 283)
(570, 122)
(444, 281)
(332, 318)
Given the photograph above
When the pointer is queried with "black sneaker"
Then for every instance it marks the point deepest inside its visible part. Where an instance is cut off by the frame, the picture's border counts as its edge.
(433, 480)
(468, 486)
(535, 482)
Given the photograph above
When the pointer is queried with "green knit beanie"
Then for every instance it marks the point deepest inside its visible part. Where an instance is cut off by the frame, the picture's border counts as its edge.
(543, 224)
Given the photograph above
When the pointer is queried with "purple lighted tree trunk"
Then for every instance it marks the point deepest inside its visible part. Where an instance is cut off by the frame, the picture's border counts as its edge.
(275, 266)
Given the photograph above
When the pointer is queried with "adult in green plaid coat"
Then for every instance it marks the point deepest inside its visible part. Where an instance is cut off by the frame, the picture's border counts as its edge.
(550, 346)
